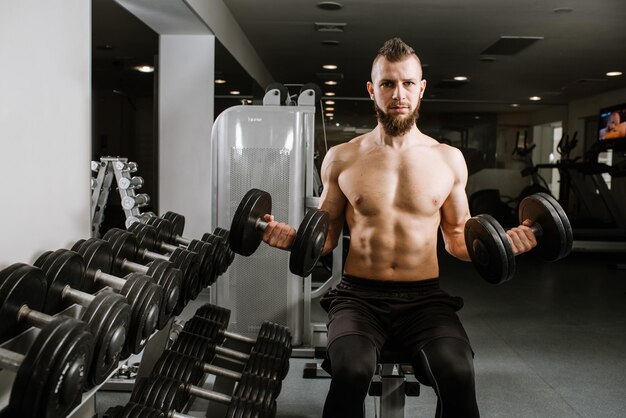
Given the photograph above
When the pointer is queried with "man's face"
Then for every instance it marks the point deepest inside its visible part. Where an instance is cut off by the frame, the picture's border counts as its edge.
(396, 88)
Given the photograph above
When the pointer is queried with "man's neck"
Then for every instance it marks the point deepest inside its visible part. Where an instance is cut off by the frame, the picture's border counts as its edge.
(398, 141)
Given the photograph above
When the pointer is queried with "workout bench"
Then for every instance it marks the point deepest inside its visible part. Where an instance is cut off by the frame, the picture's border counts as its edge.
(393, 381)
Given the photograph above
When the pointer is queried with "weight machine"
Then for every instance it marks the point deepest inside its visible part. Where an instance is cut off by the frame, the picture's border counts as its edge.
(268, 147)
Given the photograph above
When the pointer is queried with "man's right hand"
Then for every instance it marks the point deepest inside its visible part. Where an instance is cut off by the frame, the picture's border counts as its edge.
(278, 234)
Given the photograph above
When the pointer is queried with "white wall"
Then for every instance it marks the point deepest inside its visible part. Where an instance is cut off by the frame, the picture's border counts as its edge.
(45, 117)
(185, 122)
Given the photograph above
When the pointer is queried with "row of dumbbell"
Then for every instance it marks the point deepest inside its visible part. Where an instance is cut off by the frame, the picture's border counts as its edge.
(113, 325)
(258, 369)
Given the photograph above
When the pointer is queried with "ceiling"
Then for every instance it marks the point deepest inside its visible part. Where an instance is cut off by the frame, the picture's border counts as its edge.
(574, 44)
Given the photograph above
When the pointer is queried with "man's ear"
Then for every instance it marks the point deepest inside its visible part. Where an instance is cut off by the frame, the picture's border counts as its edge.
(370, 89)
(422, 88)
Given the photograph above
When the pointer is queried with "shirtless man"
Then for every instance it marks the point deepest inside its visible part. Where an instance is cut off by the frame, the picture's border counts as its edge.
(395, 187)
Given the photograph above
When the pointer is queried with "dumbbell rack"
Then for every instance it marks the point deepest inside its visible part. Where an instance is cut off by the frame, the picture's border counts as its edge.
(120, 169)
(21, 344)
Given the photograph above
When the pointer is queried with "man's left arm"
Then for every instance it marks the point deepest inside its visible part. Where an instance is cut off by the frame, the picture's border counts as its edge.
(455, 213)
(455, 209)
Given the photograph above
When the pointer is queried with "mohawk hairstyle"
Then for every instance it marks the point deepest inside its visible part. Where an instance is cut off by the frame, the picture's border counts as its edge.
(395, 50)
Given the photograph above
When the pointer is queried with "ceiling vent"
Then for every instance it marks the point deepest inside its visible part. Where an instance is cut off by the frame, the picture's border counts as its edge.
(329, 27)
(590, 80)
(510, 45)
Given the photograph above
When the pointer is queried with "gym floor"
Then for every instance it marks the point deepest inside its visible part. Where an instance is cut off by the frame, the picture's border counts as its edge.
(551, 343)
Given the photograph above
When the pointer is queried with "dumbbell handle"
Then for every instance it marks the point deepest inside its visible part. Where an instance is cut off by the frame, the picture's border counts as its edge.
(109, 280)
(182, 240)
(82, 298)
(536, 229)
(238, 337)
(152, 255)
(261, 224)
(231, 354)
(220, 371)
(32, 317)
(10, 360)
(207, 394)
(170, 248)
(132, 266)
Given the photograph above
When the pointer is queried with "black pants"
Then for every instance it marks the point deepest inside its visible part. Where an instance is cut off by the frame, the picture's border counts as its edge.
(417, 317)
(445, 364)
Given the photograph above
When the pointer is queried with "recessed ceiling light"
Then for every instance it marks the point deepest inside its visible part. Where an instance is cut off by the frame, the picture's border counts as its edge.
(145, 68)
(234, 92)
(330, 102)
(534, 98)
(329, 93)
(460, 78)
(329, 109)
(329, 67)
(614, 73)
(329, 5)
(562, 10)
(514, 105)
(330, 115)
(330, 82)
(220, 81)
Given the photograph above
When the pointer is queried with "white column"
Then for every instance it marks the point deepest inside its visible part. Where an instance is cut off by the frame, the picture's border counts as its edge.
(186, 68)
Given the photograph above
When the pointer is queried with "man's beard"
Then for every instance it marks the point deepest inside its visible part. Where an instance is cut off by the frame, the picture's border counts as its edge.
(396, 125)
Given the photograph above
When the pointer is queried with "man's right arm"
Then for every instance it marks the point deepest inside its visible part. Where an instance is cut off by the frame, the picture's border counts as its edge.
(332, 199)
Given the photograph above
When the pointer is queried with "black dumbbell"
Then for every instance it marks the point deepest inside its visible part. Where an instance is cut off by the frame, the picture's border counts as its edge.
(161, 272)
(133, 409)
(170, 227)
(489, 247)
(150, 238)
(268, 363)
(126, 252)
(171, 395)
(177, 222)
(107, 314)
(51, 375)
(218, 330)
(185, 368)
(143, 296)
(272, 340)
(246, 232)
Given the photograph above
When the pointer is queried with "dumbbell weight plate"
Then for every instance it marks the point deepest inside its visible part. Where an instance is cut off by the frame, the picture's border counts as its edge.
(309, 243)
(217, 255)
(214, 313)
(169, 278)
(124, 247)
(61, 268)
(147, 238)
(556, 239)
(177, 221)
(98, 256)
(164, 230)
(20, 285)
(142, 295)
(50, 380)
(108, 317)
(224, 235)
(187, 262)
(489, 249)
(245, 237)
(205, 271)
